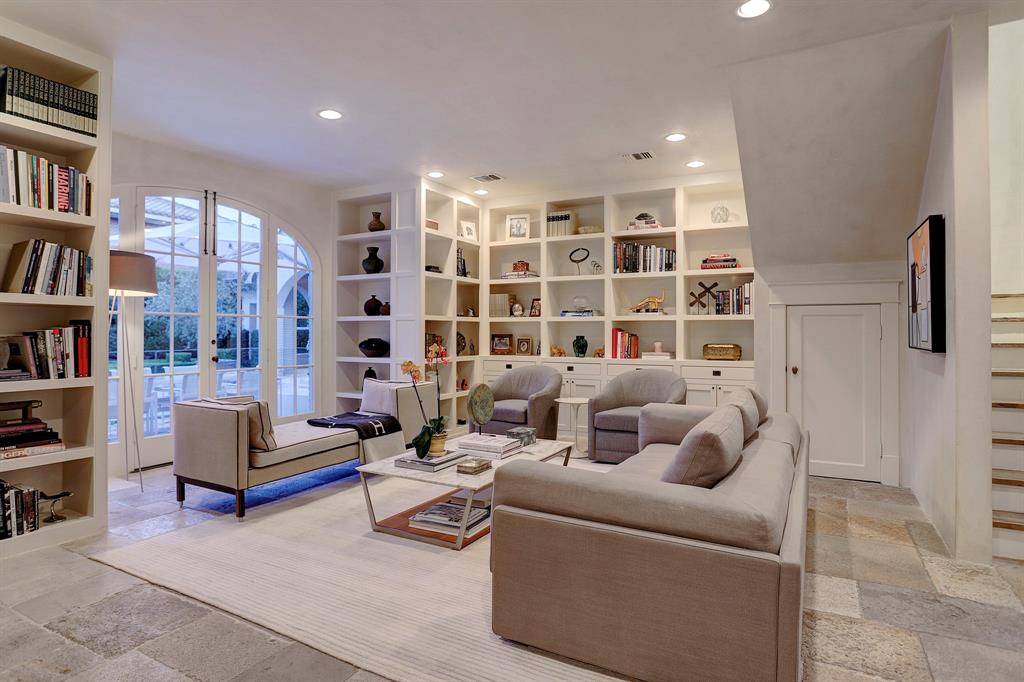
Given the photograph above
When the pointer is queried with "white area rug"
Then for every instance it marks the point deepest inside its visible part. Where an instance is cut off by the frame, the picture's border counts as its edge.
(310, 568)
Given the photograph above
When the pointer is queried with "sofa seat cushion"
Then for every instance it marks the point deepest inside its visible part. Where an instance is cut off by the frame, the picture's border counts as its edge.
(615, 446)
(619, 419)
(649, 463)
(510, 410)
(783, 428)
(761, 482)
(709, 451)
(299, 439)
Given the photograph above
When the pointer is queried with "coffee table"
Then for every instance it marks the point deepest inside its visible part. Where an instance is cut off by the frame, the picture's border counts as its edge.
(398, 525)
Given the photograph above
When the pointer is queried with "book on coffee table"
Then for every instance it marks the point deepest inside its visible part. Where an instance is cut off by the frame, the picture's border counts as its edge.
(411, 461)
(446, 517)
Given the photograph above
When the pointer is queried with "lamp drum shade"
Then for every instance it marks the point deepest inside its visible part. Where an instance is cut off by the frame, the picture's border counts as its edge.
(132, 274)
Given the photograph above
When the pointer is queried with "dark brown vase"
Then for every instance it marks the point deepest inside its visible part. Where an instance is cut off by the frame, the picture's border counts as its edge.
(372, 306)
(386, 308)
(376, 225)
(373, 263)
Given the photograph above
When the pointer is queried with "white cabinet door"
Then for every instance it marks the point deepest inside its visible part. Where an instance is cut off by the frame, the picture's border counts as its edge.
(584, 388)
(724, 391)
(565, 411)
(701, 394)
(833, 386)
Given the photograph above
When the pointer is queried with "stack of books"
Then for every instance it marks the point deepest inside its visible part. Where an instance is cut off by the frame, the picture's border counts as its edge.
(636, 257)
(429, 464)
(55, 353)
(625, 345)
(37, 266)
(735, 301)
(522, 274)
(473, 465)
(19, 510)
(656, 355)
(446, 517)
(27, 436)
(35, 182)
(577, 312)
(500, 305)
(719, 261)
(47, 101)
(648, 223)
(487, 445)
(561, 223)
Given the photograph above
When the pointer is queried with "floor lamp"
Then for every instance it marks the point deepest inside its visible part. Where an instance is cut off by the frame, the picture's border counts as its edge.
(131, 275)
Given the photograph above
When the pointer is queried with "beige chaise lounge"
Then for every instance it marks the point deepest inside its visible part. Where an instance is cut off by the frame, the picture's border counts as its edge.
(652, 579)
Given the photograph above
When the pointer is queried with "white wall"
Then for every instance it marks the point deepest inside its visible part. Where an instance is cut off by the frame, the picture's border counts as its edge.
(1006, 113)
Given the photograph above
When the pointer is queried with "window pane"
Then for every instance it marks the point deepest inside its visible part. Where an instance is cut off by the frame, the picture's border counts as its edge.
(186, 344)
(285, 291)
(186, 226)
(156, 405)
(227, 233)
(156, 330)
(186, 285)
(285, 249)
(249, 342)
(304, 390)
(115, 223)
(161, 303)
(112, 346)
(303, 295)
(303, 342)
(227, 384)
(302, 258)
(186, 387)
(227, 342)
(250, 302)
(251, 236)
(159, 236)
(113, 390)
(227, 287)
(286, 350)
(285, 392)
(249, 384)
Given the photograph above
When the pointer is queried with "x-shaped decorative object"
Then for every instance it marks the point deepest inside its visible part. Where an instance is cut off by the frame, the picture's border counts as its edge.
(706, 291)
(697, 301)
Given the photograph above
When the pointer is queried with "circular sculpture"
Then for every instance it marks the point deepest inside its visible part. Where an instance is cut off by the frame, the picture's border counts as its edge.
(579, 259)
(480, 403)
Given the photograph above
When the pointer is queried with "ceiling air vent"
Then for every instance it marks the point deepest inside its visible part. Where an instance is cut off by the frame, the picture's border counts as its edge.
(638, 156)
(488, 177)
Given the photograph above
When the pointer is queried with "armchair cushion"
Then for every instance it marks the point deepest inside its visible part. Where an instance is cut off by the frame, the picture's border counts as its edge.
(744, 401)
(619, 419)
(261, 429)
(299, 439)
(709, 451)
(511, 410)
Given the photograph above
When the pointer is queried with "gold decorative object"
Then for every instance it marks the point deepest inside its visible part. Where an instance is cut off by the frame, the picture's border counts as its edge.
(557, 351)
(599, 352)
(651, 304)
(722, 351)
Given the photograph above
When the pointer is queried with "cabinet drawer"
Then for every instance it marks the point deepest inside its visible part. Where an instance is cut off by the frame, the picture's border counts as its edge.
(505, 365)
(717, 373)
(616, 368)
(575, 368)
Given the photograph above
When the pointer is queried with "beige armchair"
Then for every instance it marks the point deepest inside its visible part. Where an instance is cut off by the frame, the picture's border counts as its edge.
(526, 397)
(614, 415)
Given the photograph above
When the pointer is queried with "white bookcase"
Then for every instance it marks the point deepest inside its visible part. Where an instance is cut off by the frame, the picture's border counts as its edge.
(76, 408)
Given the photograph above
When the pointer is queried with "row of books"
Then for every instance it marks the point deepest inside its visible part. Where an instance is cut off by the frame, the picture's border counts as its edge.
(625, 345)
(34, 437)
(637, 257)
(19, 510)
(500, 305)
(719, 261)
(735, 301)
(37, 266)
(41, 99)
(36, 182)
(55, 353)
(561, 223)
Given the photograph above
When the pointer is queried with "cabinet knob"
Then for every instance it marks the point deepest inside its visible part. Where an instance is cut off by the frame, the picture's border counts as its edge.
(716, 372)
(569, 368)
(508, 365)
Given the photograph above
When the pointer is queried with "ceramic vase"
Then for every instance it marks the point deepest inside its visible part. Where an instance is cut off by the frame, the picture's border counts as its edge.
(376, 225)
(369, 374)
(373, 306)
(579, 346)
(374, 347)
(386, 308)
(373, 263)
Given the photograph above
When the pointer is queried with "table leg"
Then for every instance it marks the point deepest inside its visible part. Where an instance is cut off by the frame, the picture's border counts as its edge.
(369, 504)
(465, 520)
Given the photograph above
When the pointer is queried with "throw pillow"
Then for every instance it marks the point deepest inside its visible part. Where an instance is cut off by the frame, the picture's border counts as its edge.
(261, 429)
(709, 451)
(743, 399)
(762, 405)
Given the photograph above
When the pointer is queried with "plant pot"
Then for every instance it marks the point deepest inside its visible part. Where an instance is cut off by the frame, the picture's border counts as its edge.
(374, 348)
(376, 225)
(437, 443)
(372, 306)
(579, 346)
(373, 263)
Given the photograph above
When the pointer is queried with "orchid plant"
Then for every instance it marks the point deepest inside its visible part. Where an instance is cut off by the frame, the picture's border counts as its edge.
(436, 357)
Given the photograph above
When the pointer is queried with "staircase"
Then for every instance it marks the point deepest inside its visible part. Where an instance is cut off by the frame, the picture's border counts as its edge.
(1008, 425)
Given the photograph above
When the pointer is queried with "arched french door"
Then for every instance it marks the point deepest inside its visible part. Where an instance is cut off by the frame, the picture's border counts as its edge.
(209, 331)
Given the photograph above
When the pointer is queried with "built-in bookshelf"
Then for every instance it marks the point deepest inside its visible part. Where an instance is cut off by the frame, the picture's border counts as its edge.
(427, 226)
(76, 406)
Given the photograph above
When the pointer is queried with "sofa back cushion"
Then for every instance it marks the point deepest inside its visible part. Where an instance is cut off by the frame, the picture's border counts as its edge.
(261, 429)
(744, 401)
(762, 405)
(709, 451)
(782, 427)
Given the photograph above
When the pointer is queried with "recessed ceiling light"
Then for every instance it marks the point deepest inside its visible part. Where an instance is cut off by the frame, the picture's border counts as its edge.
(435, 174)
(675, 137)
(329, 114)
(695, 164)
(753, 8)
(480, 192)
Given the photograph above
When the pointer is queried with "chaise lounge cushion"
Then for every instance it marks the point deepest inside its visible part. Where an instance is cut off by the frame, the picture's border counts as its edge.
(709, 451)
(783, 428)
(299, 439)
(510, 410)
(743, 400)
(619, 419)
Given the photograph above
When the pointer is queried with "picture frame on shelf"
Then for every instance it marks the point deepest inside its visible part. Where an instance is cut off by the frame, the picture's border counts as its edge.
(517, 226)
(535, 308)
(524, 345)
(467, 230)
(501, 344)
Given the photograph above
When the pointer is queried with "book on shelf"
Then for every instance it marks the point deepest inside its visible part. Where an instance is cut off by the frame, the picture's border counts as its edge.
(37, 266)
(643, 224)
(36, 182)
(41, 99)
(652, 355)
(500, 305)
(429, 464)
(589, 312)
(55, 353)
(446, 517)
(636, 257)
(525, 274)
(738, 300)
(561, 223)
(719, 261)
(625, 346)
(19, 510)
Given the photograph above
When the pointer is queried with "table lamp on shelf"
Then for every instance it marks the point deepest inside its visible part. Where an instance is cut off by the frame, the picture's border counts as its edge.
(131, 275)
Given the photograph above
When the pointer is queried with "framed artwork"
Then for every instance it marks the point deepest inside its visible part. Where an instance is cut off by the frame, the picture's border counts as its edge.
(501, 344)
(926, 277)
(517, 226)
(535, 308)
(524, 345)
(467, 229)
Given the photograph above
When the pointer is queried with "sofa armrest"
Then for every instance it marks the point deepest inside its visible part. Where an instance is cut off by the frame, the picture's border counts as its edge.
(665, 423)
(631, 502)
(211, 443)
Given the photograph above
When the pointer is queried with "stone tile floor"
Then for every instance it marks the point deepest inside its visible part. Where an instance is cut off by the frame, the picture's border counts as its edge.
(883, 600)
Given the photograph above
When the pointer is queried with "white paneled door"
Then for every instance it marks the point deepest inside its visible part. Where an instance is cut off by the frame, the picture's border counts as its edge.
(833, 387)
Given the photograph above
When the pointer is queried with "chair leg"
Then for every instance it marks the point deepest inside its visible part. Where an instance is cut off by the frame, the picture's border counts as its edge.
(181, 492)
(240, 503)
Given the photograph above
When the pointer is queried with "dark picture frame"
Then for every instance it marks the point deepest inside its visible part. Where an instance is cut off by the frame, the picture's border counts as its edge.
(926, 285)
(524, 345)
(501, 344)
(535, 308)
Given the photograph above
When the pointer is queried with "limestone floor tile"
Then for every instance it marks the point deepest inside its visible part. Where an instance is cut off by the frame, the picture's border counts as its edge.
(66, 598)
(938, 614)
(95, 544)
(165, 523)
(120, 514)
(1013, 573)
(827, 503)
(114, 625)
(816, 671)
(827, 523)
(882, 562)
(162, 507)
(214, 648)
(967, 580)
(367, 676)
(133, 666)
(885, 493)
(879, 529)
(298, 662)
(29, 651)
(926, 538)
(829, 555)
(954, 660)
(34, 573)
(863, 646)
(835, 595)
(885, 510)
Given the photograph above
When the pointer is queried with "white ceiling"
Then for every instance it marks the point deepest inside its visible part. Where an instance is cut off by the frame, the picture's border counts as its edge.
(548, 94)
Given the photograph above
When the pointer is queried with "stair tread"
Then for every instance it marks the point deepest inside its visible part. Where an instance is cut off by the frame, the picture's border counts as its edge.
(1008, 318)
(1008, 477)
(1008, 344)
(1008, 372)
(1007, 438)
(1008, 404)
(1008, 520)
(1007, 295)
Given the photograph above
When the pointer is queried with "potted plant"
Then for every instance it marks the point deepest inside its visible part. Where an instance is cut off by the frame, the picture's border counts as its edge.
(432, 437)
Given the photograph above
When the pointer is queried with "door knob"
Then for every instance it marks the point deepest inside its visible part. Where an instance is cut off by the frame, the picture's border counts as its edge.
(796, 370)
(214, 359)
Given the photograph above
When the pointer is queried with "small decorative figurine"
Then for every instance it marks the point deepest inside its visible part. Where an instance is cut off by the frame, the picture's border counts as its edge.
(577, 256)
(557, 351)
(599, 352)
(651, 304)
(596, 268)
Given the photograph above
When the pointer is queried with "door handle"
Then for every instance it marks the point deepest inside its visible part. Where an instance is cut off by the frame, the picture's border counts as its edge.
(214, 358)
(795, 370)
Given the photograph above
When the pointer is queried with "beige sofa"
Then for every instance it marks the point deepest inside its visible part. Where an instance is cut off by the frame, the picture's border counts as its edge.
(652, 579)
(232, 447)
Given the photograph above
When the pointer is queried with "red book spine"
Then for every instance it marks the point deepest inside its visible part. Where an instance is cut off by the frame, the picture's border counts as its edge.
(82, 361)
(63, 186)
